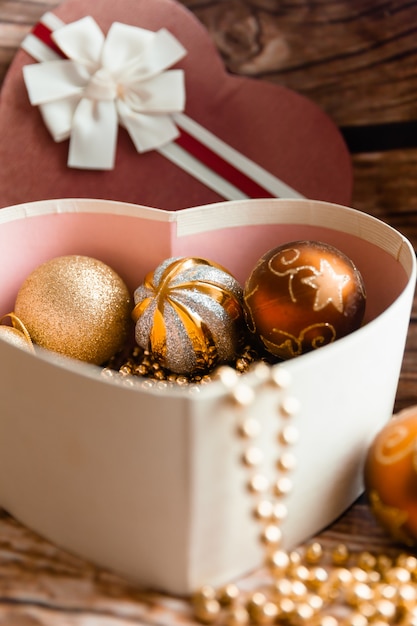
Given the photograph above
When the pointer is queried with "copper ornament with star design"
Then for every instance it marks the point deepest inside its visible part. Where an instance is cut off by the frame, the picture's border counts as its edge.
(301, 296)
(390, 474)
(188, 313)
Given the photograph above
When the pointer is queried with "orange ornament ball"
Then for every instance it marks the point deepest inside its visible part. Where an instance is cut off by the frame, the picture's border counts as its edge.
(301, 296)
(391, 477)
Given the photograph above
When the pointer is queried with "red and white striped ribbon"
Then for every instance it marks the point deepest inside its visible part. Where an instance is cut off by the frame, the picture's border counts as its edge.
(196, 150)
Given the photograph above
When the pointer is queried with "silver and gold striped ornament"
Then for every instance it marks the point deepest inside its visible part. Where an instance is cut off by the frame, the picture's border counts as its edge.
(188, 314)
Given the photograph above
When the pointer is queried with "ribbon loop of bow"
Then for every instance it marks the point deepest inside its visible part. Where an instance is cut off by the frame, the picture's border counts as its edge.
(106, 81)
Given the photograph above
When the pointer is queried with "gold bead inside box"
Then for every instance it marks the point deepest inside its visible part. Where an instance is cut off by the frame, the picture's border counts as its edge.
(167, 459)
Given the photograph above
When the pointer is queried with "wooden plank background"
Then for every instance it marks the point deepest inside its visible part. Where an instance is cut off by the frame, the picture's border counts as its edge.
(357, 59)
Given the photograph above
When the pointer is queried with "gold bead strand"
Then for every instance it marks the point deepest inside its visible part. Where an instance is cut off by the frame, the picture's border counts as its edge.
(271, 535)
(348, 590)
(269, 508)
(248, 428)
(283, 599)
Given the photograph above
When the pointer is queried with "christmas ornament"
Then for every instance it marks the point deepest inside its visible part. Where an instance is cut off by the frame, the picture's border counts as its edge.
(16, 334)
(76, 306)
(391, 476)
(188, 314)
(301, 296)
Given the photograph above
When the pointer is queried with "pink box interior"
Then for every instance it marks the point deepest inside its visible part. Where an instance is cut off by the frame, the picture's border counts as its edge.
(135, 246)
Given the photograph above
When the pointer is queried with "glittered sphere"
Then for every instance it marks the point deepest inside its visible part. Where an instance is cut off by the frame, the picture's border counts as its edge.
(16, 334)
(301, 296)
(391, 476)
(76, 306)
(188, 314)
(15, 337)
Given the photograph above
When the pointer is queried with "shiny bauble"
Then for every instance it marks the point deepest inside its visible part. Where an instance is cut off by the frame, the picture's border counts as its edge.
(391, 476)
(16, 338)
(301, 296)
(76, 306)
(188, 314)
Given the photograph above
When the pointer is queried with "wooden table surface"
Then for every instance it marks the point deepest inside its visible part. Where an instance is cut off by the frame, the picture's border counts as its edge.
(357, 59)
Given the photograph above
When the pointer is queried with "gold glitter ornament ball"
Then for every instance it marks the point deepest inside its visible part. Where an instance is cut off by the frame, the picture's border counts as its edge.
(15, 337)
(16, 334)
(77, 306)
(188, 314)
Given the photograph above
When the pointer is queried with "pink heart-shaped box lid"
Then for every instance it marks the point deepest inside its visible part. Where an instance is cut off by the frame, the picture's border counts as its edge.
(278, 129)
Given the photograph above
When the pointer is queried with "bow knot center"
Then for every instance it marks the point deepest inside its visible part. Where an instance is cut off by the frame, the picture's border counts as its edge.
(102, 86)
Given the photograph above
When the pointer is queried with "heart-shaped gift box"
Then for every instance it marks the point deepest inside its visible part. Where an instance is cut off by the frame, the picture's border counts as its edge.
(240, 122)
(147, 480)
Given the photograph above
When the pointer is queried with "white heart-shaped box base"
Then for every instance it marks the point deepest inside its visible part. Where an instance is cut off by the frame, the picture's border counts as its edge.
(148, 481)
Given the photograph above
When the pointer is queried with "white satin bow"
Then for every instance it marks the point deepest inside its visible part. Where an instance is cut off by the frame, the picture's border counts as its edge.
(107, 81)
